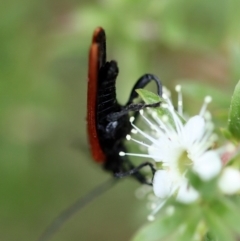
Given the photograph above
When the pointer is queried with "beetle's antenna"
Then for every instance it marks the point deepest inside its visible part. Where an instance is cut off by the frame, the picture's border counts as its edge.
(75, 207)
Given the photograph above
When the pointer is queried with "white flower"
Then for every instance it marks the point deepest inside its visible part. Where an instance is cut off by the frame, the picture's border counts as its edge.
(187, 147)
(186, 194)
(229, 181)
(179, 145)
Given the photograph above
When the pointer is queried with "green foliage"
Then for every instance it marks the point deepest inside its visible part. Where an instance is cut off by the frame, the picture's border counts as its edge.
(213, 217)
(170, 225)
(234, 113)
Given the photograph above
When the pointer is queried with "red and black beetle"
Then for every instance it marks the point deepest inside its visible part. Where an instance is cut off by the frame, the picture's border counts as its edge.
(107, 125)
(107, 120)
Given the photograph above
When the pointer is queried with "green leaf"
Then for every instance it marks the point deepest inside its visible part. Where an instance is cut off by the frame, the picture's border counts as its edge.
(230, 213)
(149, 97)
(156, 230)
(234, 113)
(192, 221)
(209, 237)
(180, 225)
(214, 217)
(228, 135)
(164, 226)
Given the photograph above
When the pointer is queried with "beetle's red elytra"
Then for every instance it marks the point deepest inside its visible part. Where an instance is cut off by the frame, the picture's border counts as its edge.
(93, 74)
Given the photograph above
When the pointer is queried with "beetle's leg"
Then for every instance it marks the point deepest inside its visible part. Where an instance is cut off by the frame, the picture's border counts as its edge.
(141, 83)
(130, 106)
(135, 171)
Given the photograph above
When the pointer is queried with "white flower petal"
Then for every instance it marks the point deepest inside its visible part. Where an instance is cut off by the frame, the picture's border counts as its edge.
(162, 184)
(229, 181)
(208, 165)
(165, 150)
(187, 194)
(194, 129)
(159, 149)
(155, 153)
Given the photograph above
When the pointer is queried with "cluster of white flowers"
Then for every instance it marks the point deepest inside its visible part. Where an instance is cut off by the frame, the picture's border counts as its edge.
(181, 145)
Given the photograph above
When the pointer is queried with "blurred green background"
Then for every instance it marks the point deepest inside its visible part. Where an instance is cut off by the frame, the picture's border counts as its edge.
(45, 163)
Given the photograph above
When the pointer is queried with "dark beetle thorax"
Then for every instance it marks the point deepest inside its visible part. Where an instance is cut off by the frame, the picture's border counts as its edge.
(111, 133)
(106, 98)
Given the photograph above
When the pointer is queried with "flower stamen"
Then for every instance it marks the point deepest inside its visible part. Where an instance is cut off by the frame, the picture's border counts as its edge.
(141, 132)
(121, 153)
(129, 137)
(178, 88)
(207, 100)
(152, 126)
